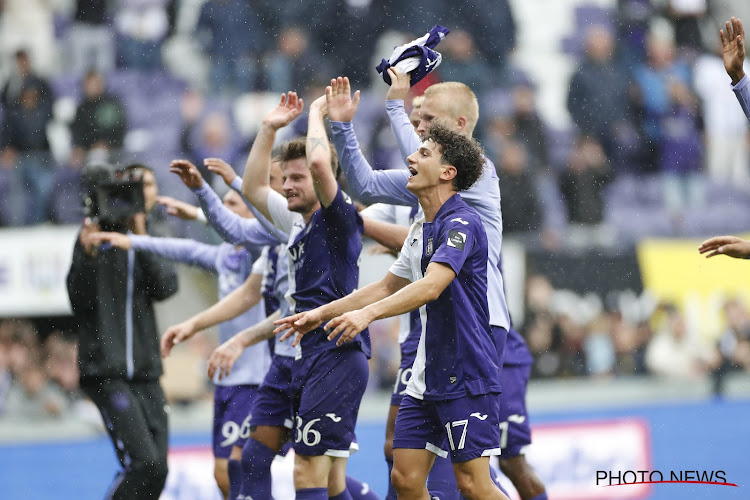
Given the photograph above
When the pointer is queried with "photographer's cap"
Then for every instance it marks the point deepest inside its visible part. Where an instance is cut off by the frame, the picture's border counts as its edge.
(417, 57)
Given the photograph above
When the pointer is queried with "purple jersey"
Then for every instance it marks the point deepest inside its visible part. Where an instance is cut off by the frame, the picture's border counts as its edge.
(323, 261)
(456, 336)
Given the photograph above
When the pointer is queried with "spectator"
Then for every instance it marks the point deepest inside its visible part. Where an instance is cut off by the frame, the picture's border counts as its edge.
(235, 39)
(598, 98)
(23, 77)
(141, 27)
(462, 63)
(673, 353)
(581, 184)
(294, 64)
(24, 146)
(91, 39)
(527, 126)
(100, 122)
(29, 24)
(34, 396)
(733, 344)
(210, 137)
(633, 17)
(519, 202)
(686, 17)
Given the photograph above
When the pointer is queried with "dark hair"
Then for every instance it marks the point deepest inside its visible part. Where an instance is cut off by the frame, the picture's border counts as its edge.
(464, 153)
(135, 167)
(295, 149)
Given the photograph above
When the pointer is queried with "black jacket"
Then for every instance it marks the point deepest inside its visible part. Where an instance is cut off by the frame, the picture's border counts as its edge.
(111, 296)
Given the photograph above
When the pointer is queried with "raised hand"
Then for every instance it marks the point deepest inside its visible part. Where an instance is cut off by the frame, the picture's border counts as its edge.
(348, 325)
(731, 246)
(321, 105)
(221, 168)
(188, 172)
(289, 108)
(733, 44)
(341, 106)
(117, 240)
(174, 335)
(223, 358)
(300, 323)
(400, 84)
(178, 208)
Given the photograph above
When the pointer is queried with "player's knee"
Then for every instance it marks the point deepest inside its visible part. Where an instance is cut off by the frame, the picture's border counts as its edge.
(405, 480)
(468, 485)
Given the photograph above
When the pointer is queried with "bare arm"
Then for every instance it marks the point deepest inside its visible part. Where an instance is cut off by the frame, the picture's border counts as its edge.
(240, 300)
(226, 355)
(733, 46)
(731, 246)
(304, 322)
(411, 297)
(318, 151)
(391, 236)
(255, 186)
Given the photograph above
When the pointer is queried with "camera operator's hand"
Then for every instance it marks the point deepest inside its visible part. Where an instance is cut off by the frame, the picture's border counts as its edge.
(90, 247)
(224, 357)
(117, 240)
(289, 108)
(221, 168)
(400, 84)
(176, 334)
(178, 208)
(188, 172)
(341, 106)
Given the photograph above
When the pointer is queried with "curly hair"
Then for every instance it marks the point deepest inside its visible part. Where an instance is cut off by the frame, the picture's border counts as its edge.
(464, 153)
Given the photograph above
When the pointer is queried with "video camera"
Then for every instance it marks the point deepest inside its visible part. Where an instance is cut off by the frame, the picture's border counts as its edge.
(111, 196)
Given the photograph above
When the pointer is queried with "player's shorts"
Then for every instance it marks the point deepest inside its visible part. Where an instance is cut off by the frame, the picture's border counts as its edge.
(329, 387)
(408, 353)
(466, 428)
(233, 405)
(515, 431)
(273, 404)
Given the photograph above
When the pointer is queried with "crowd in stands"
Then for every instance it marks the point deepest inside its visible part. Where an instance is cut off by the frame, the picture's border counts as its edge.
(656, 145)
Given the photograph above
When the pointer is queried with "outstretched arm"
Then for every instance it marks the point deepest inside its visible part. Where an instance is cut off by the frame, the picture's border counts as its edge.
(387, 186)
(407, 139)
(255, 186)
(182, 250)
(731, 246)
(413, 296)
(302, 323)
(318, 152)
(226, 355)
(240, 300)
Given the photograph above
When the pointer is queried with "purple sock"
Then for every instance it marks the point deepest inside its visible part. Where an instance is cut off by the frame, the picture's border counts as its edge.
(359, 490)
(344, 495)
(391, 490)
(311, 494)
(441, 482)
(256, 469)
(235, 478)
(541, 496)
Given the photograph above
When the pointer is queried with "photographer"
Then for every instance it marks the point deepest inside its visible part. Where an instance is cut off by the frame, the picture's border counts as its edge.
(111, 293)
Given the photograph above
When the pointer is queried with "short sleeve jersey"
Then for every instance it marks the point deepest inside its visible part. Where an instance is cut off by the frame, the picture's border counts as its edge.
(456, 355)
(323, 260)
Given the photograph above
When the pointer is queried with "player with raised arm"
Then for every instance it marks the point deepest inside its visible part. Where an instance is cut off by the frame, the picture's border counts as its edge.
(451, 404)
(452, 104)
(733, 45)
(325, 231)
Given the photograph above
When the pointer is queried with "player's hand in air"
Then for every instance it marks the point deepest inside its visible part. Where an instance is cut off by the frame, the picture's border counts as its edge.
(221, 168)
(348, 325)
(178, 208)
(400, 84)
(176, 334)
(731, 246)
(289, 108)
(117, 240)
(341, 106)
(300, 323)
(733, 45)
(224, 357)
(188, 172)
(321, 104)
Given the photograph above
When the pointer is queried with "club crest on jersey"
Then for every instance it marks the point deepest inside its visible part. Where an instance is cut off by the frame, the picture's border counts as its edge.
(456, 239)
(430, 248)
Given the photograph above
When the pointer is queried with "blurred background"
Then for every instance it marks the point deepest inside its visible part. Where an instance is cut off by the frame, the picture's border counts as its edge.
(619, 146)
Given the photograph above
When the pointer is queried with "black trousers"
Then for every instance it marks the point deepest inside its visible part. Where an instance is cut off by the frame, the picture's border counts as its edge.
(136, 419)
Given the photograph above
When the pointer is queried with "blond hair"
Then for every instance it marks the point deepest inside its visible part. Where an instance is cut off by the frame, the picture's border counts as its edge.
(417, 102)
(460, 101)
